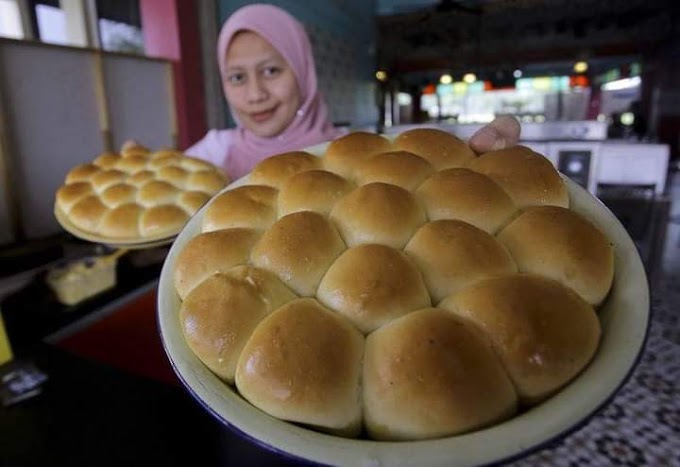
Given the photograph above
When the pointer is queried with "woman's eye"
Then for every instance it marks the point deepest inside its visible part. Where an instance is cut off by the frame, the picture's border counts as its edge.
(271, 71)
(236, 78)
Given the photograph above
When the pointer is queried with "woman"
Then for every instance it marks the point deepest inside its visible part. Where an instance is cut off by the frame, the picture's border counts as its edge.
(269, 80)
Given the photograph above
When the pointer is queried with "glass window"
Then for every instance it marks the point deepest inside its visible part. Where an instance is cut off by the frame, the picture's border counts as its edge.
(120, 27)
(10, 20)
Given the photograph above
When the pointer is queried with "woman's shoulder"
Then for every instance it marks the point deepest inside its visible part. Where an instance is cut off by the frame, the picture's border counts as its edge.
(212, 147)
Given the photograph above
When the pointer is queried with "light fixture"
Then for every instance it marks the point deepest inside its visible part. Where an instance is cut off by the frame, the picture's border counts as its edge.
(624, 83)
(381, 75)
(580, 67)
(628, 118)
(517, 73)
(446, 79)
(469, 78)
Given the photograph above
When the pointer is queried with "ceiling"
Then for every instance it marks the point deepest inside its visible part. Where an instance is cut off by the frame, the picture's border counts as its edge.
(420, 39)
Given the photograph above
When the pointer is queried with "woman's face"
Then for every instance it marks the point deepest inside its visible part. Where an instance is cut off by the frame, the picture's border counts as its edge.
(260, 85)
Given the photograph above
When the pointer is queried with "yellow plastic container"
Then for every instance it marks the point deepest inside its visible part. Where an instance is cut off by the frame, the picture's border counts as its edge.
(5, 347)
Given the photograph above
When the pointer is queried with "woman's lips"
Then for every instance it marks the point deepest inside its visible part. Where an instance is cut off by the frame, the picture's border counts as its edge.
(260, 117)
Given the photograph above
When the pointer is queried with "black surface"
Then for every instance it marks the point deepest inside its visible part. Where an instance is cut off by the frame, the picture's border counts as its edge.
(33, 313)
(90, 414)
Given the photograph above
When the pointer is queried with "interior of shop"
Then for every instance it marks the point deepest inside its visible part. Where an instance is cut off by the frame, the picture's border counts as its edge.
(595, 86)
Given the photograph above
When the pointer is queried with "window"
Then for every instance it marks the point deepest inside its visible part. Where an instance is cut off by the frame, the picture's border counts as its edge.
(10, 20)
(120, 27)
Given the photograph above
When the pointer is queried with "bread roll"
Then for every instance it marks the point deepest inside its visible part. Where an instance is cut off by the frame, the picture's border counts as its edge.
(87, 213)
(141, 178)
(378, 213)
(529, 178)
(191, 201)
(220, 314)
(206, 181)
(139, 190)
(131, 164)
(453, 254)
(440, 148)
(82, 173)
(157, 192)
(345, 154)
(372, 285)
(68, 195)
(276, 170)
(102, 180)
(430, 374)
(467, 196)
(161, 220)
(119, 194)
(122, 222)
(107, 160)
(303, 364)
(251, 206)
(544, 333)
(210, 253)
(299, 248)
(400, 168)
(561, 244)
(313, 190)
(174, 175)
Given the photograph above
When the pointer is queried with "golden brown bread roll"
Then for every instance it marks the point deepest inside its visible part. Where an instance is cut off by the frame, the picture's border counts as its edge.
(313, 190)
(467, 196)
(220, 314)
(375, 259)
(452, 254)
(529, 178)
(543, 332)
(102, 180)
(252, 206)
(139, 190)
(441, 149)
(431, 374)
(81, 173)
(299, 248)
(210, 253)
(87, 213)
(561, 244)
(122, 221)
(400, 168)
(378, 213)
(107, 160)
(303, 364)
(161, 220)
(118, 194)
(345, 154)
(372, 285)
(68, 195)
(276, 170)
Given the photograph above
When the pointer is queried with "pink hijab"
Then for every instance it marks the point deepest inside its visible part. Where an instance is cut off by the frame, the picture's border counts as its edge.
(311, 124)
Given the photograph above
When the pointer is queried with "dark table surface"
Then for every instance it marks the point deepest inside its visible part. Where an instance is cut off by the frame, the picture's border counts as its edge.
(92, 414)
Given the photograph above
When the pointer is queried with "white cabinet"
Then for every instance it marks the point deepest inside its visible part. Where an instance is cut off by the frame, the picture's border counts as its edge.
(633, 164)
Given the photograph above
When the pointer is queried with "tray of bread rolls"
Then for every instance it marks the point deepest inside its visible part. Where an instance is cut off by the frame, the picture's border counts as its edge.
(403, 301)
(136, 198)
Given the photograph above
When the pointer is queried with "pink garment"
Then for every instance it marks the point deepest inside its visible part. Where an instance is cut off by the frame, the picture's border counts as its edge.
(242, 149)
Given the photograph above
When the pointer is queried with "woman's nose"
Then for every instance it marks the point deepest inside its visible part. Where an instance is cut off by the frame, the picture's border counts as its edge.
(256, 90)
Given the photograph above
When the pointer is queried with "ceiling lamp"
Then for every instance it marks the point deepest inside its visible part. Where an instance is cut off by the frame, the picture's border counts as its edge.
(446, 79)
(517, 73)
(581, 67)
(381, 75)
(469, 78)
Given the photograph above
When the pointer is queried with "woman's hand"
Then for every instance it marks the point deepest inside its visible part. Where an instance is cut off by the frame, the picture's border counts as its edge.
(501, 133)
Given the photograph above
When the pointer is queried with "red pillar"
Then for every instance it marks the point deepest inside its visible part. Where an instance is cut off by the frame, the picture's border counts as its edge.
(171, 31)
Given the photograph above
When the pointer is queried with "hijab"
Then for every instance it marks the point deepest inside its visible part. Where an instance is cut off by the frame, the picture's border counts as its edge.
(311, 124)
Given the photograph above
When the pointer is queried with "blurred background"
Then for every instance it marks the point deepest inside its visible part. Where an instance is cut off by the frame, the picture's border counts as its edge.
(595, 85)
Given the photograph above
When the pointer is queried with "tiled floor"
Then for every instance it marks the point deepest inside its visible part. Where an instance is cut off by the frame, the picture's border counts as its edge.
(642, 424)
